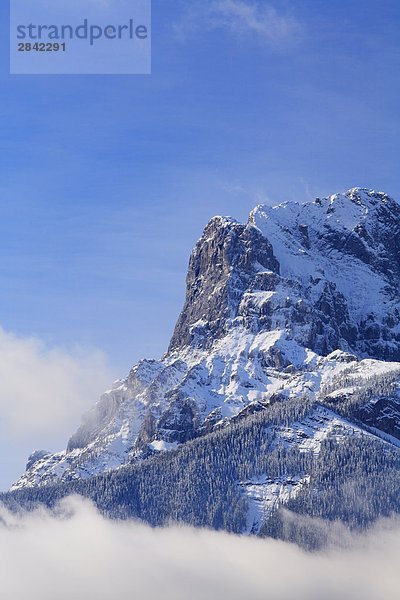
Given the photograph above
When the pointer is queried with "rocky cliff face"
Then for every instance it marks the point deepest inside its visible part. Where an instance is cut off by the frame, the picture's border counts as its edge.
(274, 308)
(327, 272)
(229, 260)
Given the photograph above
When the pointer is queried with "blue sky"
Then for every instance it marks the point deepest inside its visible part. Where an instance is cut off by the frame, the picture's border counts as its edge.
(106, 182)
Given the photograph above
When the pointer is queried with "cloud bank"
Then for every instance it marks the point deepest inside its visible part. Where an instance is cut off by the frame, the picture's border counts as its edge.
(76, 553)
(241, 18)
(46, 389)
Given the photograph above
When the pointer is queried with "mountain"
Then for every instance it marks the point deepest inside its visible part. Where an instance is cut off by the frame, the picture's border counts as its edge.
(299, 306)
(326, 273)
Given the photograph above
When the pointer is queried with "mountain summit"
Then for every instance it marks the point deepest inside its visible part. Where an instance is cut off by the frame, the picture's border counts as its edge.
(302, 301)
(327, 273)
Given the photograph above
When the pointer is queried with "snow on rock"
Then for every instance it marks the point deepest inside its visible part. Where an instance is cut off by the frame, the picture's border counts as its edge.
(309, 434)
(275, 308)
(265, 495)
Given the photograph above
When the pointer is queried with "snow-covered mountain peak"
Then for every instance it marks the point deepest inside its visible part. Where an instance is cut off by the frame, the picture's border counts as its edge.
(366, 197)
(326, 272)
(274, 307)
(343, 210)
(221, 221)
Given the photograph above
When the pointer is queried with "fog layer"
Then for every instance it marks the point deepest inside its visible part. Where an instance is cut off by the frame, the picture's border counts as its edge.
(76, 553)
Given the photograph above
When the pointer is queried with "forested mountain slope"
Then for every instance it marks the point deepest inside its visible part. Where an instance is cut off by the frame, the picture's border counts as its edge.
(282, 377)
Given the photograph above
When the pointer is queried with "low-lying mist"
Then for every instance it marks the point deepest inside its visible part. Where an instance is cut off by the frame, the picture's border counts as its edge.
(73, 552)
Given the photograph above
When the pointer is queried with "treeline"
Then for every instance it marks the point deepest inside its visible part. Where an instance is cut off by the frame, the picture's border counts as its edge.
(196, 484)
(373, 401)
(354, 481)
(363, 389)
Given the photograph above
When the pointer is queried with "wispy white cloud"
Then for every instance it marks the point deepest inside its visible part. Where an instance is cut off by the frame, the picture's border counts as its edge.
(241, 18)
(76, 553)
(44, 389)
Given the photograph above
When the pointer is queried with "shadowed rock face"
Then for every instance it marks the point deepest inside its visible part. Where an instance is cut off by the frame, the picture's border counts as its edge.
(315, 262)
(375, 239)
(228, 260)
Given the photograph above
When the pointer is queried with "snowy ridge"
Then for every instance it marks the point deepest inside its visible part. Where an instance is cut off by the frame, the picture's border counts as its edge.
(265, 495)
(309, 434)
(300, 296)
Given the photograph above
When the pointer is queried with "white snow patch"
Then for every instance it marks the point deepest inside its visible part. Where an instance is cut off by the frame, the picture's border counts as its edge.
(163, 446)
(265, 495)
